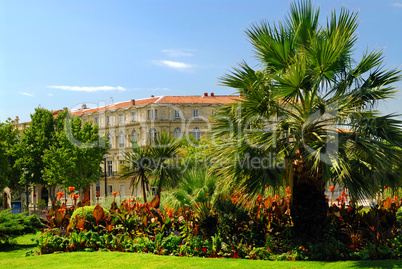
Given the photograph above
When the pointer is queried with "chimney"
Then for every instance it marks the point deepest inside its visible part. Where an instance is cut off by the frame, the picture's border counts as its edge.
(152, 96)
(84, 106)
(17, 120)
(212, 94)
(205, 94)
(132, 102)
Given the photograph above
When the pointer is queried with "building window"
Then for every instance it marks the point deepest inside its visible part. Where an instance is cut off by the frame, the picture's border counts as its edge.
(152, 114)
(108, 120)
(121, 118)
(109, 189)
(121, 140)
(109, 138)
(134, 136)
(110, 168)
(195, 113)
(133, 114)
(177, 132)
(152, 134)
(121, 162)
(96, 120)
(177, 114)
(197, 133)
(122, 190)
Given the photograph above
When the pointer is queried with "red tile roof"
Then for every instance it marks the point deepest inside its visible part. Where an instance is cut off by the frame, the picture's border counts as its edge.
(195, 99)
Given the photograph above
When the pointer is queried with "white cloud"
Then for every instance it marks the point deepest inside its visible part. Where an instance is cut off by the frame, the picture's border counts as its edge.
(161, 89)
(151, 89)
(175, 65)
(50, 94)
(87, 89)
(397, 4)
(177, 53)
(28, 94)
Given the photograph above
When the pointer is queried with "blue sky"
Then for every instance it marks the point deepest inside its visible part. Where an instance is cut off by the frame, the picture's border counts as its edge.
(57, 54)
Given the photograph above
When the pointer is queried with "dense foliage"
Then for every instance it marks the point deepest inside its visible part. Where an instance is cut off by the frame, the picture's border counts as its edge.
(260, 229)
(13, 225)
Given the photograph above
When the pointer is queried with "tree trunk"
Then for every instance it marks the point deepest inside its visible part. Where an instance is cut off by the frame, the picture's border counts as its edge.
(52, 194)
(144, 193)
(159, 191)
(308, 207)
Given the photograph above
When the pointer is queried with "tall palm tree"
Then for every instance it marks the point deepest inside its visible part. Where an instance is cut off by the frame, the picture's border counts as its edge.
(138, 167)
(163, 150)
(313, 105)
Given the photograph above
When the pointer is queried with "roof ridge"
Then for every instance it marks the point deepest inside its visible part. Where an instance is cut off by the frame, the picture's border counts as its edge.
(160, 99)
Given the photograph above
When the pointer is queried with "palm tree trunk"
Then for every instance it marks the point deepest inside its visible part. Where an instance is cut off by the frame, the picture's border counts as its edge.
(308, 207)
(144, 193)
(158, 193)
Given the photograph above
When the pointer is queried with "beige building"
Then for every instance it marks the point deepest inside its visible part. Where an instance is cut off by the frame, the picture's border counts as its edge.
(140, 121)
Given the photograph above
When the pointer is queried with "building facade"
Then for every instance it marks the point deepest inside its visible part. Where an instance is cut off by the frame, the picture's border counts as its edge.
(139, 121)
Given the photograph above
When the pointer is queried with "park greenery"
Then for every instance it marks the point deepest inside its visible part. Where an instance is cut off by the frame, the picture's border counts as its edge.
(255, 188)
(56, 151)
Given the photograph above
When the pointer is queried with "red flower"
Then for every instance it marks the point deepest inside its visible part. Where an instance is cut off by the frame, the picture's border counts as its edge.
(170, 212)
(352, 246)
(70, 189)
(331, 188)
(115, 193)
(60, 195)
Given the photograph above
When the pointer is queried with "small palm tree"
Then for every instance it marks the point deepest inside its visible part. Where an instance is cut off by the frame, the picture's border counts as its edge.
(138, 167)
(163, 150)
(196, 187)
(311, 104)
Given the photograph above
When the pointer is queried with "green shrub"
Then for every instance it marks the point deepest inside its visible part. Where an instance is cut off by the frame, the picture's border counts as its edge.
(41, 202)
(13, 225)
(87, 211)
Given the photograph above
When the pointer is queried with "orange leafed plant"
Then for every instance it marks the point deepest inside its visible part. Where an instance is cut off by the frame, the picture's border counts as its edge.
(70, 189)
(115, 193)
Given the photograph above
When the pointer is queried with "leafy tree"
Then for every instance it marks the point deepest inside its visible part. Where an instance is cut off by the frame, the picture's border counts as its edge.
(138, 167)
(311, 103)
(10, 173)
(74, 157)
(36, 139)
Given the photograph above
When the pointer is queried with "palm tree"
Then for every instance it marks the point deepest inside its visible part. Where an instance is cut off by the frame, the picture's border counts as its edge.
(196, 187)
(163, 150)
(311, 107)
(138, 167)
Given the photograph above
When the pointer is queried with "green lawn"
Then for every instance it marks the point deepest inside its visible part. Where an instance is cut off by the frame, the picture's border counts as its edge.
(15, 258)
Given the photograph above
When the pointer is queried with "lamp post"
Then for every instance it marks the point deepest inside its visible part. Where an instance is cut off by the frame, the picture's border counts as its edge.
(105, 156)
(26, 171)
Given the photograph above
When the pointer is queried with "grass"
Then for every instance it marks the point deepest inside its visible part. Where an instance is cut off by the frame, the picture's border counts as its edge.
(14, 257)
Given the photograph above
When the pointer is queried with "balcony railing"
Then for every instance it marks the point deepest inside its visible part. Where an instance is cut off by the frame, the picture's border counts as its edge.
(109, 174)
